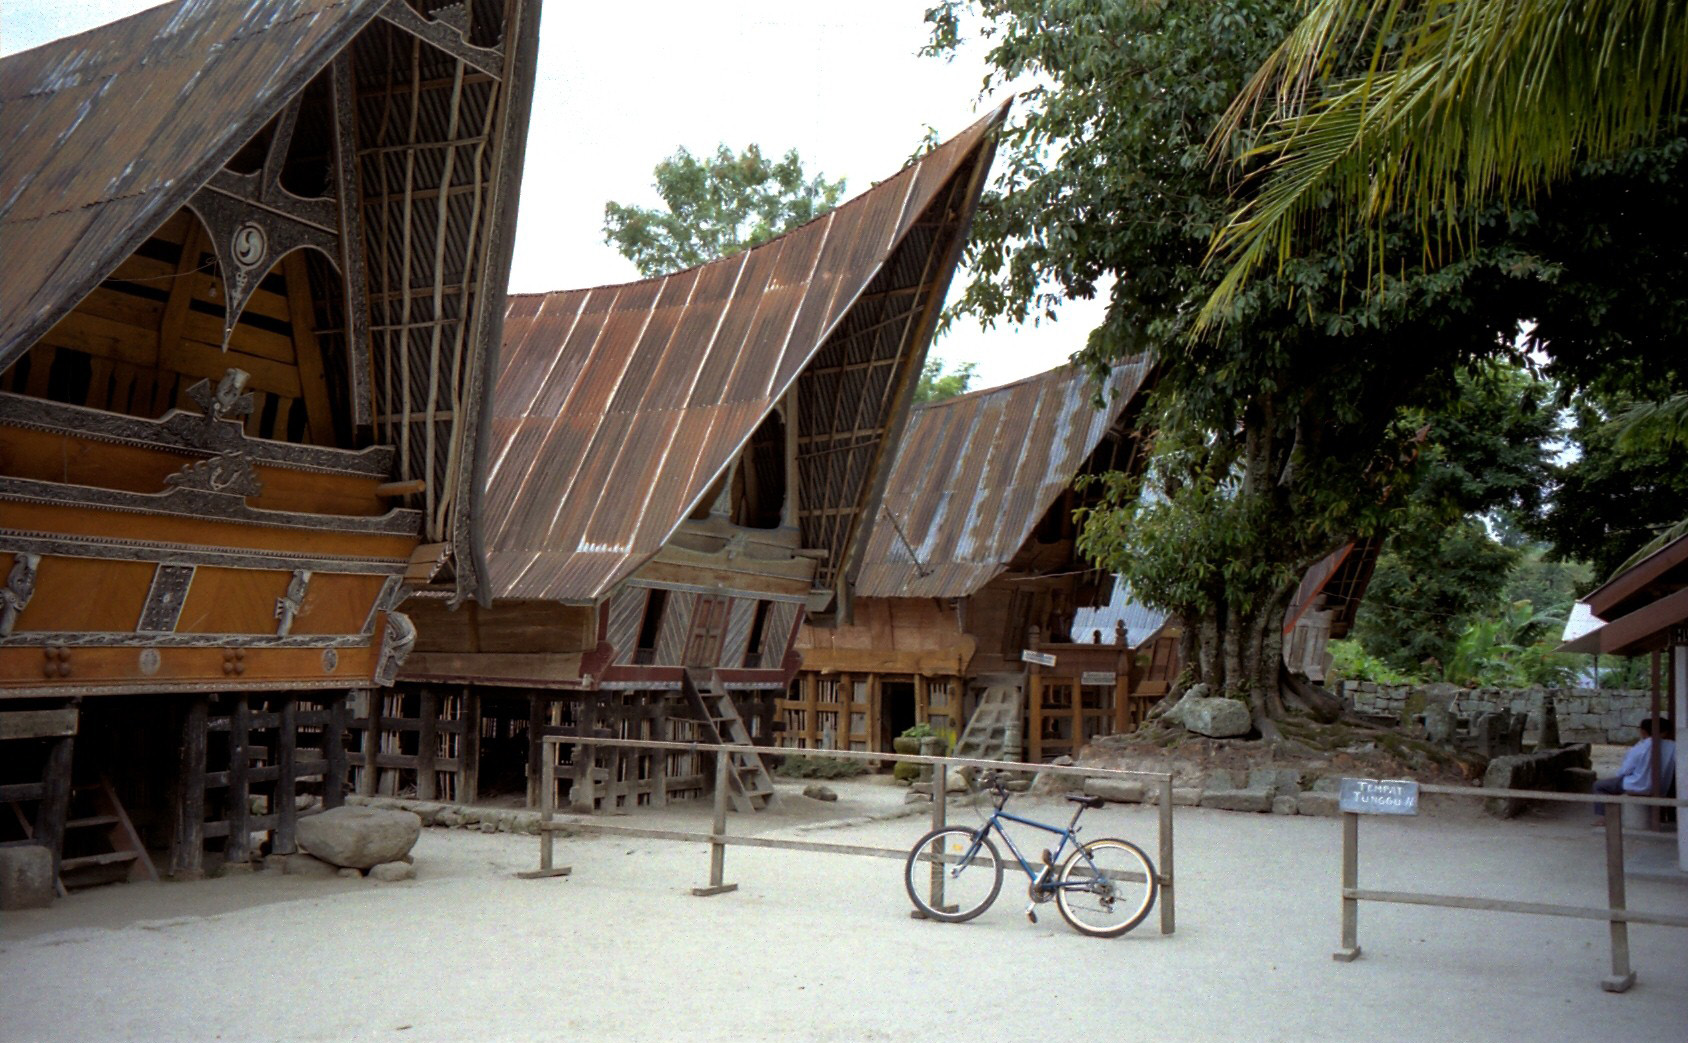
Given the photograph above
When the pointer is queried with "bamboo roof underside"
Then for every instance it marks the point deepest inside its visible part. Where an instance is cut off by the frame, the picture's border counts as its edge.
(617, 408)
(977, 472)
(109, 132)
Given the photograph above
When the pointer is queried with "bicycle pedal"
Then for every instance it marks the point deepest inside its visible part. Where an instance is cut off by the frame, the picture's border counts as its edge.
(1031, 914)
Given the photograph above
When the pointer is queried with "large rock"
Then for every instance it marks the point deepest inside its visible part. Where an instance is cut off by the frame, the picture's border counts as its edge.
(1215, 718)
(1548, 770)
(26, 877)
(359, 837)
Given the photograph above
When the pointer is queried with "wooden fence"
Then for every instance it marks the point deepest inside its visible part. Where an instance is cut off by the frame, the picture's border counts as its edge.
(719, 839)
(1616, 910)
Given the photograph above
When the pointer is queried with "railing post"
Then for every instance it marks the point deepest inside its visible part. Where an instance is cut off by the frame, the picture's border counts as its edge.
(1168, 916)
(717, 848)
(929, 748)
(1622, 977)
(1350, 950)
(547, 807)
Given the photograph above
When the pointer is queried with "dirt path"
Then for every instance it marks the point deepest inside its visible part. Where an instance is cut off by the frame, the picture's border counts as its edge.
(819, 947)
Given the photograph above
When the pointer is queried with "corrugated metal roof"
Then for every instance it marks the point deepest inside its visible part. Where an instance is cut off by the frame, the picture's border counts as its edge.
(1141, 621)
(977, 472)
(108, 132)
(617, 407)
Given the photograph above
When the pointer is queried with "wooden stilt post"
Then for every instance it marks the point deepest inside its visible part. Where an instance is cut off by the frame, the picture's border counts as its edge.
(547, 806)
(427, 742)
(1622, 977)
(940, 809)
(187, 853)
(1350, 950)
(286, 800)
(54, 812)
(469, 751)
(1167, 915)
(371, 742)
(536, 730)
(238, 793)
(718, 850)
(334, 751)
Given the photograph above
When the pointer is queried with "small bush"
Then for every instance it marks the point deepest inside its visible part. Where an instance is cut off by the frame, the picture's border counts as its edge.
(799, 766)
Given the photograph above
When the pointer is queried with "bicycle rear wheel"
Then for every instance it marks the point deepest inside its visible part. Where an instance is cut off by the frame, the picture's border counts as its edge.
(1106, 888)
(967, 887)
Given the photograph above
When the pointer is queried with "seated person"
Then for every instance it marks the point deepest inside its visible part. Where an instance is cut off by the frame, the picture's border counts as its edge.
(1635, 777)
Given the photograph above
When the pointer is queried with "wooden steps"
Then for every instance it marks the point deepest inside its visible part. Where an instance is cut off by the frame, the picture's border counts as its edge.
(109, 848)
(751, 787)
(992, 732)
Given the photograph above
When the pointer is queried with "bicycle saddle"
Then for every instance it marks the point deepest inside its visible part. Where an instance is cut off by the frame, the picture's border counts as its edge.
(1089, 802)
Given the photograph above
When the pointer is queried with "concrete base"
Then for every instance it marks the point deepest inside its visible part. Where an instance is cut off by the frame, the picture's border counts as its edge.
(1654, 857)
(1346, 955)
(1614, 983)
(544, 874)
(705, 892)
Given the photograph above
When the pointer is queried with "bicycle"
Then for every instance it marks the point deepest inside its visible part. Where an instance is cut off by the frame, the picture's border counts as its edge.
(1103, 889)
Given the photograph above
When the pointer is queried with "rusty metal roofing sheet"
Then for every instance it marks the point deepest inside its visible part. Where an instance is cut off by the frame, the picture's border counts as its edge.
(617, 407)
(975, 473)
(108, 132)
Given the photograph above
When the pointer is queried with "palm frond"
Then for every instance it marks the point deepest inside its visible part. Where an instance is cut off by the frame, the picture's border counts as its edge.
(1433, 108)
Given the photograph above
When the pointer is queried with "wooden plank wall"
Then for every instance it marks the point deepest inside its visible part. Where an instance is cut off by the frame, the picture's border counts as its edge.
(415, 740)
(155, 328)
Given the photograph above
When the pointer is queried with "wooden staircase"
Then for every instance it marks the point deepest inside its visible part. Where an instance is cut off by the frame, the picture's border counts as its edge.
(992, 733)
(718, 720)
(100, 842)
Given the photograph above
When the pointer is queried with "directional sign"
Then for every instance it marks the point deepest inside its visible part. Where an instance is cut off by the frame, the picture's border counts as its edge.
(1096, 677)
(1040, 658)
(1379, 796)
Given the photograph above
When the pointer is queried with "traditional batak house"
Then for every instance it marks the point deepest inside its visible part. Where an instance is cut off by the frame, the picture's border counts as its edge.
(970, 584)
(254, 260)
(1325, 604)
(681, 471)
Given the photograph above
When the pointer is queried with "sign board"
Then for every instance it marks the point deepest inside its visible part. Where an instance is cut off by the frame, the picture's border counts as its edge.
(1379, 796)
(1099, 677)
(1040, 658)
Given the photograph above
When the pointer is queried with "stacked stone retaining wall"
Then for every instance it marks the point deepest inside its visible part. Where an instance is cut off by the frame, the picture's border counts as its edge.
(1585, 714)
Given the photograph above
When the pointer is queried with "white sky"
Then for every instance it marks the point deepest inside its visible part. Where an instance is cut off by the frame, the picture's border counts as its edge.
(622, 85)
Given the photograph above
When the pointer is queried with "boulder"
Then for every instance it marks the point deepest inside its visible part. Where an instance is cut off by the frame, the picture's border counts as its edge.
(350, 874)
(819, 792)
(392, 872)
(1538, 771)
(305, 865)
(955, 782)
(26, 877)
(1120, 791)
(359, 837)
(1215, 718)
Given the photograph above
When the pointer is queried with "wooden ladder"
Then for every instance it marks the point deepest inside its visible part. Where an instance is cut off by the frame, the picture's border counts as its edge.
(99, 814)
(986, 734)
(750, 785)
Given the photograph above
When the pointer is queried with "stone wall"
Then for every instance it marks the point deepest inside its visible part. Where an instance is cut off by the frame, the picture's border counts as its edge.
(1585, 714)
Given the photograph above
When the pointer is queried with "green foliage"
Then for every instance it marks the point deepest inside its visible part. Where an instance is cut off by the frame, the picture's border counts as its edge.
(1513, 649)
(1607, 501)
(800, 766)
(936, 384)
(1350, 662)
(1430, 585)
(717, 206)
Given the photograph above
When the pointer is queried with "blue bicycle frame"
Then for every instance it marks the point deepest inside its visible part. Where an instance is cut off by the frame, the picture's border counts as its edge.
(1067, 835)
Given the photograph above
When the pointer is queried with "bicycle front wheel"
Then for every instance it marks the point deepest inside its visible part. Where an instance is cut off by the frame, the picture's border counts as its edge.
(1106, 888)
(944, 883)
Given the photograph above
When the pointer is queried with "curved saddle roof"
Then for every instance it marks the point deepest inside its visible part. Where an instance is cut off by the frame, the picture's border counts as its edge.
(616, 408)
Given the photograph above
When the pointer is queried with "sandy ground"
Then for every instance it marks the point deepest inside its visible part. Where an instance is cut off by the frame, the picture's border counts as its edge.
(821, 947)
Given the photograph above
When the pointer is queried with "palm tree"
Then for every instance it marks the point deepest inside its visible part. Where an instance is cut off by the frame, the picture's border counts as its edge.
(1432, 108)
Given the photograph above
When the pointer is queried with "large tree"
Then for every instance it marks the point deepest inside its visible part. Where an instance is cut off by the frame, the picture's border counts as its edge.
(1296, 426)
(715, 206)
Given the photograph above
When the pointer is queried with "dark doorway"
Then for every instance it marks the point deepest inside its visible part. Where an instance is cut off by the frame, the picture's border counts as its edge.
(504, 724)
(896, 710)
